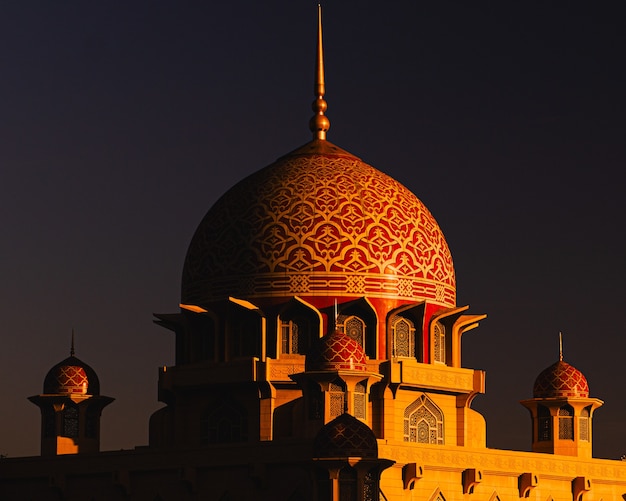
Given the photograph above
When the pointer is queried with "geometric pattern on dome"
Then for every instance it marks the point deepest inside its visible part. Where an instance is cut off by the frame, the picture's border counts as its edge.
(71, 377)
(561, 380)
(336, 351)
(346, 436)
(318, 224)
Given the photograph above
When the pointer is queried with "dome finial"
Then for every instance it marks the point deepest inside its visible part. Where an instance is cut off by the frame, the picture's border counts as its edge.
(72, 345)
(560, 347)
(319, 123)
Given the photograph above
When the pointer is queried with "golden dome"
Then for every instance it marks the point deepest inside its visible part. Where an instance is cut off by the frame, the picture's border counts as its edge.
(318, 222)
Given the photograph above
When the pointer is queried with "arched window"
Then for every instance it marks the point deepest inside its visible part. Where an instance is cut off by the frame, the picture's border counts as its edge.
(70, 421)
(403, 332)
(585, 416)
(354, 327)
(225, 423)
(566, 423)
(337, 393)
(348, 484)
(423, 422)
(295, 335)
(544, 424)
(360, 400)
(439, 344)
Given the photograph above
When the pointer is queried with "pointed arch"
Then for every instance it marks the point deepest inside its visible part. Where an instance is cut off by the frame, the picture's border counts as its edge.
(583, 424)
(224, 422)
(414, 314)
(70, 420)
(544, 424)
(360, 399)
(298, 325)
(437, 496)
(566, 422)
(337, 398)
(402, 337)
(494, 497)
(359, 320)
(423, 422)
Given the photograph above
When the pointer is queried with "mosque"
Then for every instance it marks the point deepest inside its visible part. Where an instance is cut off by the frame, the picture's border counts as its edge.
(318, 358)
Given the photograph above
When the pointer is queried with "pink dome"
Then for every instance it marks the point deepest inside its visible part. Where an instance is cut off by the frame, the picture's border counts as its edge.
(336, 351)
(318, 222)
(346, 436)
(561, 380)
(72, 377)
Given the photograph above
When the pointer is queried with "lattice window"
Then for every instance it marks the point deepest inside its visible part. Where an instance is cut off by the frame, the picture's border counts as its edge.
(289, 337)
(544, 424)
(225, 423)
(403, 331)
(348, 484)
(566, 423)
(370, 487)
(70, 421)
(423, 422)
(353, 327)
(583, 424)
(337, 395)
(360, 400)
(439, 343)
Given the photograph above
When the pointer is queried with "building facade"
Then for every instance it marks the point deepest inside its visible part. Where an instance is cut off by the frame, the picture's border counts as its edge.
(318, 357)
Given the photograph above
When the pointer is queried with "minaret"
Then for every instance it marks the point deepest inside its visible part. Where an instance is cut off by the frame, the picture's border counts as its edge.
(562, 411)
(70, 406)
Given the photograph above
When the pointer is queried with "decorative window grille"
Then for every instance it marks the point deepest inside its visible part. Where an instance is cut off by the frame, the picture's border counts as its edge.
(439, 344)
(353, 327)
(337, 399)
(360, 400)
(423, 422)
(70, 421)
(348, 484)
(370, 487)
(583, 424)
(295, 334)
(225, 423)
(403, 331)
(544, 424)
(289, 337)
(566, 423)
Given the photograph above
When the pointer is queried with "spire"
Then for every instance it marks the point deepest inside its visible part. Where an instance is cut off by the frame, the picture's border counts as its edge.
(560, 347)
(319, 123)
(72, 346)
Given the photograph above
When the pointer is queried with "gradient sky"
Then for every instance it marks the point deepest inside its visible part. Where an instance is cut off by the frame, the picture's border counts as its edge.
(121, 123)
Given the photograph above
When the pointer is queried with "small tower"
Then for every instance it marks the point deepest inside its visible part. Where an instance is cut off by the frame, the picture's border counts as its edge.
(71, 406)
(335, 381)
(561, 411)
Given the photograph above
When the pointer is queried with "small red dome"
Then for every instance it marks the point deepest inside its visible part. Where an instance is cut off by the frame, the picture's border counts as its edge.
(561, 380)
(336, 351)
(72, 377)
(346, 436)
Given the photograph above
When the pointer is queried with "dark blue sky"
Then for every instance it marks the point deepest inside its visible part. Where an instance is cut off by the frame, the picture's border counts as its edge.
(123, 122)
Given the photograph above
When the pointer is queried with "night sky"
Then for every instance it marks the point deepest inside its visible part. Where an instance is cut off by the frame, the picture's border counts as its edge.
(121, 123)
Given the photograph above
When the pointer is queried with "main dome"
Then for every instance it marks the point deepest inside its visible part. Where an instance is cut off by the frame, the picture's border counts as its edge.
(318, 222)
